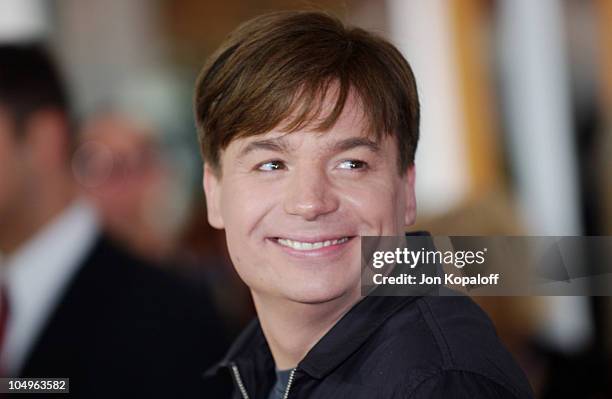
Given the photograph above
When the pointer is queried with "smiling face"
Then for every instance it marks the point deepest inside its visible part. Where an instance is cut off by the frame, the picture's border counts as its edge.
(294, 206)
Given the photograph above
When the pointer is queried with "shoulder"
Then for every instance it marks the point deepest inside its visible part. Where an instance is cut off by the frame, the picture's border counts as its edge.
(462, 332)
(110, 265)
(114, 284)
(162, 328)
(471, 353)
(460, 329)
(438, 342)
(461, 384)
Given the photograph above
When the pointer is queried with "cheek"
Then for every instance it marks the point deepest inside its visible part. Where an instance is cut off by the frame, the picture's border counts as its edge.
(13, 176)
(243, 205)
(244, 239)
(379, 203)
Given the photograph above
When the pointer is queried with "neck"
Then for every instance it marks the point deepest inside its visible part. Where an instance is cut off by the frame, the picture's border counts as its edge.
(292, 328)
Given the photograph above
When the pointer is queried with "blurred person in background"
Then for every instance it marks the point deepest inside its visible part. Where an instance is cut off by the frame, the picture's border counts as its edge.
(74, 303)
(120, 165)
(128, 176)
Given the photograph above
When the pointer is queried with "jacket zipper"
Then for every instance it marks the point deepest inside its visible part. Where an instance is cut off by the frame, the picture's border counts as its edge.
(289, 382)
(243, 390)
(238, 380)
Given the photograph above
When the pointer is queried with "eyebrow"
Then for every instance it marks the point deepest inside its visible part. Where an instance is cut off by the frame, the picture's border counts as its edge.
(280, 145)
(276, 145)
(354, 142)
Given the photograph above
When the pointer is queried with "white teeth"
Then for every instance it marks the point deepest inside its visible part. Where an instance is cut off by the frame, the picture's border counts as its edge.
(307, 246)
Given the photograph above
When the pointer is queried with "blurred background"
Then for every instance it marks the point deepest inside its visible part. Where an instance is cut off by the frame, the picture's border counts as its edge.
(516, 138)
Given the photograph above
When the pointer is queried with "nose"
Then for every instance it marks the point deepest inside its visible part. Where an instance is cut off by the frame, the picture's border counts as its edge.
(310, 195)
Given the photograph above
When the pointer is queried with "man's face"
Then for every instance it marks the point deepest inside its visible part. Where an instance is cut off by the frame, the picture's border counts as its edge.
(294, 205)
(13, 172)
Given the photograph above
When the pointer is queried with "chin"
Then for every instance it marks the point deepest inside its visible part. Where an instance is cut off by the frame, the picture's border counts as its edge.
(317, 294)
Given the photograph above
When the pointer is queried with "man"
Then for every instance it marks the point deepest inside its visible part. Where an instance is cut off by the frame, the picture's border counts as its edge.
(76, 305)
(132, 188)
(308, 130)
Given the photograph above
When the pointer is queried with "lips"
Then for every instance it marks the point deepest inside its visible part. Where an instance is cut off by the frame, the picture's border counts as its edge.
(310, 245)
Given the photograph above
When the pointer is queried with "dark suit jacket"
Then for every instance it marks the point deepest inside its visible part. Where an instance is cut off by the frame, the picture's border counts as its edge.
(125, 329)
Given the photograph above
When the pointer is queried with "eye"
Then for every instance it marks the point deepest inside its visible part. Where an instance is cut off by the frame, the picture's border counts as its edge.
(352, 164)
(270, 166)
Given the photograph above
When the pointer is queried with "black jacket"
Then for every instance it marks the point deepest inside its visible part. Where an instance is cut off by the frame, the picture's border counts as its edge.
(126, 329)
(388, 347)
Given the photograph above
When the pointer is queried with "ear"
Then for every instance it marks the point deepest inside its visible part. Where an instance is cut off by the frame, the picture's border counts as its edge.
(212, 192)
(409, 179)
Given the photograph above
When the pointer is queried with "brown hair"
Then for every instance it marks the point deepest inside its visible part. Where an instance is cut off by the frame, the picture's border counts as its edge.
(283, 65)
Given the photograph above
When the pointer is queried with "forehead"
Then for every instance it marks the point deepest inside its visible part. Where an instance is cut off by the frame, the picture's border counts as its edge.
(352, 122)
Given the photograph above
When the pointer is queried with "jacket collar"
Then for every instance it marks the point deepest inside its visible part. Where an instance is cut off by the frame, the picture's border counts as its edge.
(345, 337)
(249, 343)
(350, 333)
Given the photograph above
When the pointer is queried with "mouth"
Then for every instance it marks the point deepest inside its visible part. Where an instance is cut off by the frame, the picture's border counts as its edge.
(312, 246)
(309, 246)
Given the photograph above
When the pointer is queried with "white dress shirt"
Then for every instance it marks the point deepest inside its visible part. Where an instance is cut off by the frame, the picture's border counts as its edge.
(36, 275)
